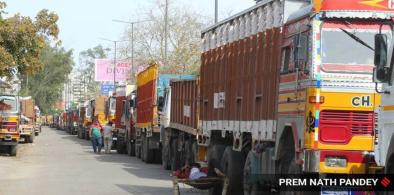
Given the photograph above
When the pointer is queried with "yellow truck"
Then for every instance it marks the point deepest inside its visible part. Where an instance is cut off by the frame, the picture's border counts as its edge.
(9, 123)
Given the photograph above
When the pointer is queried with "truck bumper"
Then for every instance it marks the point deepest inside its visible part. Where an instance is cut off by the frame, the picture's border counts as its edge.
(335, 161)
(8, 143)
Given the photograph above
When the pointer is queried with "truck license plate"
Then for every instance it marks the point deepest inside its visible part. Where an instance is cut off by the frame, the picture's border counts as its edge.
(114, 138)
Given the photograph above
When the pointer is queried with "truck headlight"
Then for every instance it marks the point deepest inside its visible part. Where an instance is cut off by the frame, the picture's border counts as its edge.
(335, 162)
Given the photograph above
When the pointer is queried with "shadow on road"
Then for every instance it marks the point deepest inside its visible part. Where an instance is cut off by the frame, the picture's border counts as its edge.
(149, 190)
(130, 164)
(73, 138)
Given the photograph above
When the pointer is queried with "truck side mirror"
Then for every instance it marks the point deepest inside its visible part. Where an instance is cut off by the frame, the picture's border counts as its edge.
(380, 50)
(381, 72)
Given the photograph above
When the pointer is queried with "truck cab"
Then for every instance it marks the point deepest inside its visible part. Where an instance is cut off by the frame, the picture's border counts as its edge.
(9, 123)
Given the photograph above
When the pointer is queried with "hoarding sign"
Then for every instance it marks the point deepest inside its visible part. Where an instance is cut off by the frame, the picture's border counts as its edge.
(106, 88)
(104, 70)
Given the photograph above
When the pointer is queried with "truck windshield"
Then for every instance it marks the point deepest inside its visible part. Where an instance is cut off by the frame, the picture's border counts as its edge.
(340, 48)
(8, 104)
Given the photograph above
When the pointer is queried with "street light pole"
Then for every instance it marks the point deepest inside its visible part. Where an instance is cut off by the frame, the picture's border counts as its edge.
(115, 68)
(132, 36)
(216, 11)
(165, 31)
(115, 42)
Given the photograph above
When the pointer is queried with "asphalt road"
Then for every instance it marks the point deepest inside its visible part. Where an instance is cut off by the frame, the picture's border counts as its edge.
(61, 164)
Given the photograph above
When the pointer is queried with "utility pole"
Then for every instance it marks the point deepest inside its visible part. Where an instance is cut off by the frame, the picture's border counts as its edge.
(165, 31)
(132, 36)
(216, 11)
(114, 69)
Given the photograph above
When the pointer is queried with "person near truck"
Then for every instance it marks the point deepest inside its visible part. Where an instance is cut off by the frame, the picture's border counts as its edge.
(108, 137)
(95, 136)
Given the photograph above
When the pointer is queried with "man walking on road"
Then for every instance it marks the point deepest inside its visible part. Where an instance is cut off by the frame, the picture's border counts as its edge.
(108, 137)
(95, 136)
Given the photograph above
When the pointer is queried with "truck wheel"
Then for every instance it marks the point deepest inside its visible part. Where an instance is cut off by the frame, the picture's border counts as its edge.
(79, 134)
(215, 154)
(13, 150)
(157, 156)
(174, 155)
(190, 152)
(120, 147)
(36, 133)
(148, 154)
(250, 182)
(142, 148)
(130, 148)
(138, 151)
(165, 156)
(31, 138)
(232, 165)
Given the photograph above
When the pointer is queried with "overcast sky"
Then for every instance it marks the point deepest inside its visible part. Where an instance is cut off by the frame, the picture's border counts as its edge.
(83, 22)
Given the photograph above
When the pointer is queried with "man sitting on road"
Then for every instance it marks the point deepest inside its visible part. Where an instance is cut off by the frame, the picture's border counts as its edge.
(108, 137)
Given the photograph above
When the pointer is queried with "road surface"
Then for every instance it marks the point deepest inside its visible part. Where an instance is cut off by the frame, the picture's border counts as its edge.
(62, 164)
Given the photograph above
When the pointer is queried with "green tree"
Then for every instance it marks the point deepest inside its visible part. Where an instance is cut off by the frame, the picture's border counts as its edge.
(86, 68)
(22, 40)
(46, 86)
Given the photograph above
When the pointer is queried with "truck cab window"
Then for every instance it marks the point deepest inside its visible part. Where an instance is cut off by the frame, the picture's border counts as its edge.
(285, 60)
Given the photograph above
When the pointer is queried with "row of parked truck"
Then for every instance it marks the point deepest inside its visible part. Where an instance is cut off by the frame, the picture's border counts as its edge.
(285, 87)
(20, 122)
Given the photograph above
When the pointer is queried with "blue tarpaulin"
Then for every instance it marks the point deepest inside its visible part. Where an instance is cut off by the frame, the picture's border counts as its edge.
(164, 81)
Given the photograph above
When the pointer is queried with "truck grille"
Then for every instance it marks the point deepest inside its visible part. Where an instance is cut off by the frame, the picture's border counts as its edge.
(359, 123)
(8, 125)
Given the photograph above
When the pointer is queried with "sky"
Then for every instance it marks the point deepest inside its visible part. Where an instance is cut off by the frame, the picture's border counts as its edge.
(83, 23)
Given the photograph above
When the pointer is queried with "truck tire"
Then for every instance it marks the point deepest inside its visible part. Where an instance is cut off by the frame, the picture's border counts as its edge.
(191, 148)
(174, 156)
(286, 159)
(232, 165)
(130, 148)
(165, 156)
(79, 133)
(120, 147)
(138, 151)
(215, 153)
(31, 138)
(250, 181)
(36, 133)
(148, 154)
(13, 150)
(389, 168)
